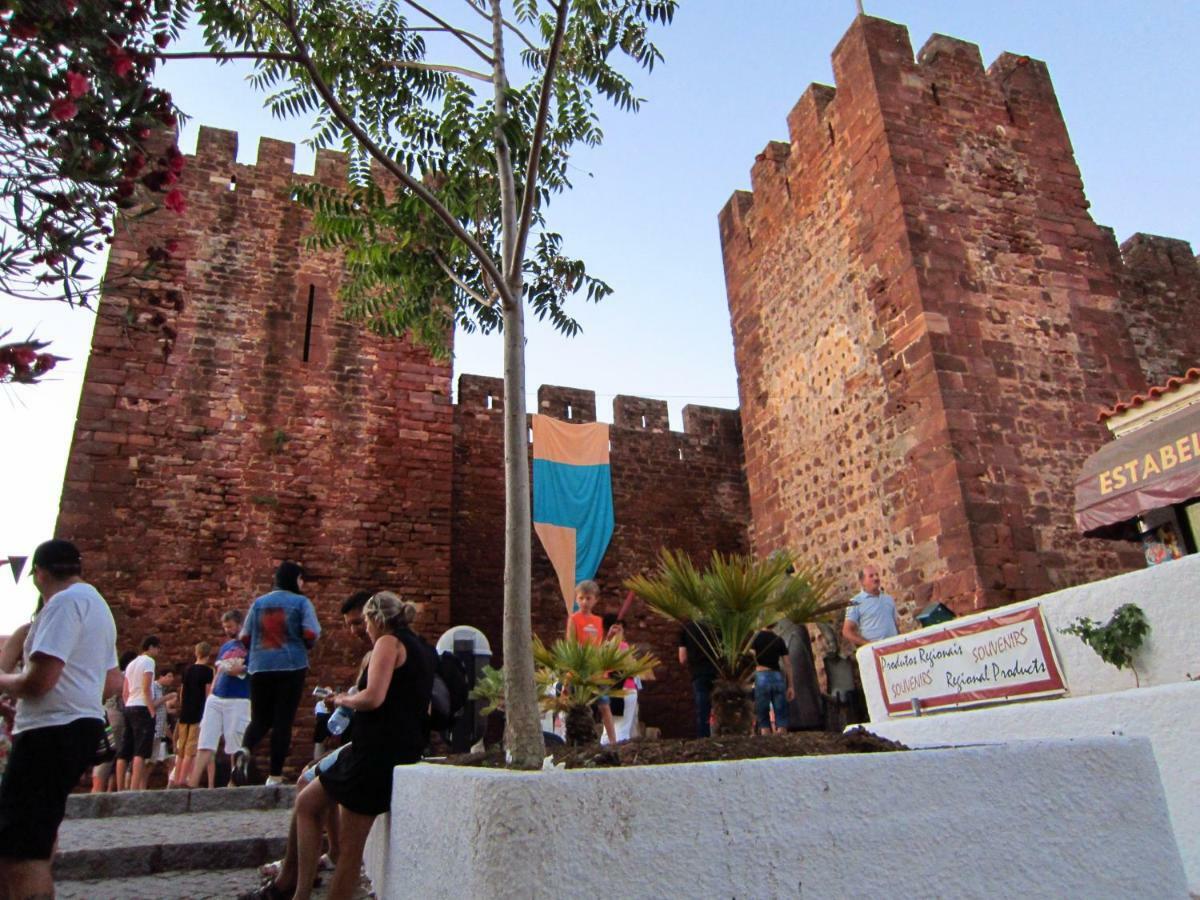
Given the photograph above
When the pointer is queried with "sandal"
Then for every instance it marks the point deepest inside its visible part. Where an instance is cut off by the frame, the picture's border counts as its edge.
(270, 870)
(267, 891)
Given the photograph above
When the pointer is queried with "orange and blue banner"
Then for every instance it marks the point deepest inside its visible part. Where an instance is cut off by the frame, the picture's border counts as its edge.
(572, 498)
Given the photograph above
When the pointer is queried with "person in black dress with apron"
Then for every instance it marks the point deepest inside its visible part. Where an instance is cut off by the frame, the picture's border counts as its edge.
(390, 728)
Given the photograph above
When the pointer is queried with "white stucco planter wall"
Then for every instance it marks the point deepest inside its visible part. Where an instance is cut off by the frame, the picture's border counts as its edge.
(1034, 819)
(1169, 716)
(1168, 594)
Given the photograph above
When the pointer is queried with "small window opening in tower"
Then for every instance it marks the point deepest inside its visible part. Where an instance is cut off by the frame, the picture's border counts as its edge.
(233, 182)
(681, 453)
(489, 401)
(1012, 120)
(312, 299)
(531, 435)
(830, 128)
(936, 99)
(568, 410)
(643, 421)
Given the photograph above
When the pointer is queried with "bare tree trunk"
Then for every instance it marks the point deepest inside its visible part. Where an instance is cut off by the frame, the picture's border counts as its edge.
(522, 731)
(523, 742)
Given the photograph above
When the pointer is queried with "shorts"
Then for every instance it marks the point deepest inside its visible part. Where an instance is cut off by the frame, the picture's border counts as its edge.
(138, 739)
(45, 765)
(224, 716)
(187, 739)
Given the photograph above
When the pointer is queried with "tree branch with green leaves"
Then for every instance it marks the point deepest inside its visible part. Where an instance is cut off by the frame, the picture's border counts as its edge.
(453, 161)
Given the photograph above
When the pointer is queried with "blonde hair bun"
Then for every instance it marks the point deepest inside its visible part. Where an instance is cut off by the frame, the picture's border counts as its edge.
(389, 612)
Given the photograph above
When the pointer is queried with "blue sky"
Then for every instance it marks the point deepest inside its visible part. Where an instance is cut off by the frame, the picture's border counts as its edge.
(643, 213)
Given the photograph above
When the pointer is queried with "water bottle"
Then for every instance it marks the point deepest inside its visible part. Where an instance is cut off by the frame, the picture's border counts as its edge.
(340, 719)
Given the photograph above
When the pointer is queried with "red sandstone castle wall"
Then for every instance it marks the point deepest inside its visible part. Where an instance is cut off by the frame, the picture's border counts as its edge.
(207, 449)
(1161, 304)
(681, 491)
(925, 322)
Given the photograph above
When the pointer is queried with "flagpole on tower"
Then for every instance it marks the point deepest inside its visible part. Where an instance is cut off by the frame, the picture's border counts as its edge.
(859, 3)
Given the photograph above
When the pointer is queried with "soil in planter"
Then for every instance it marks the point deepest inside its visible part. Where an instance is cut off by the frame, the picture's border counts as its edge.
(661, 752)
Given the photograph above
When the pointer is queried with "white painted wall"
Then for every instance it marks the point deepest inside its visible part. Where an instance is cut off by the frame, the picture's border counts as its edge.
(1168, 715)
(1168, 594)
(1030, 819)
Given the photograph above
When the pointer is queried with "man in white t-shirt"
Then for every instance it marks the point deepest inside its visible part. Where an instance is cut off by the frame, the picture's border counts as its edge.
(137, 743)
(70, 666)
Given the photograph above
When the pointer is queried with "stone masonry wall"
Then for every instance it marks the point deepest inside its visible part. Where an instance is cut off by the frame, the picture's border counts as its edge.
(925, 322)
(208, 448)
(681, 491)
(1161, 304)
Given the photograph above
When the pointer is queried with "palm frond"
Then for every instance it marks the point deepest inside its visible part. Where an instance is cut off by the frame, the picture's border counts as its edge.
(586, 671)
(735, 598)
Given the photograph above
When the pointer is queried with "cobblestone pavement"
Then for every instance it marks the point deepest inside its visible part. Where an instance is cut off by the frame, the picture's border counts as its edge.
(197, 884)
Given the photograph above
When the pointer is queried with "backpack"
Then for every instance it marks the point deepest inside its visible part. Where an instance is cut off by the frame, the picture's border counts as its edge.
(449, 691)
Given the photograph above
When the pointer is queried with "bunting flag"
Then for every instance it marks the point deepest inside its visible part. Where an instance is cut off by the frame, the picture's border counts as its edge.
(572, 498)
(18, 566)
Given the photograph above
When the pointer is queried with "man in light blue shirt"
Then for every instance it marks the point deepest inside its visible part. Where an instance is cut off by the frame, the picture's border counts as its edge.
(872, 613)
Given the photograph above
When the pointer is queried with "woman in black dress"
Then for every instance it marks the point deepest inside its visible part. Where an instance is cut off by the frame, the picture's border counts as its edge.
(389, 728)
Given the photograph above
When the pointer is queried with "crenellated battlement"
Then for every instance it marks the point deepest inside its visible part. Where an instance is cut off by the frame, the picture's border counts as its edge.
(1165, 257)
(275, 163)
(1161, 303)
(709, 425)
(883, 89)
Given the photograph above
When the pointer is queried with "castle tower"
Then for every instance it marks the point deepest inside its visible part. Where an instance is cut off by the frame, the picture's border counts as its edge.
(926, 320)
(1161, 304)
(230, 418)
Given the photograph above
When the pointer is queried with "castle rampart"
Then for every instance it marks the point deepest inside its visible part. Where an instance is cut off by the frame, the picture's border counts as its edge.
(926, 320)
(231, 417)
(681, 490)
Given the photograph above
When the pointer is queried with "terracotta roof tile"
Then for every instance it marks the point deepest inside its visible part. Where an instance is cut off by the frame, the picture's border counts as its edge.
(1172, 383)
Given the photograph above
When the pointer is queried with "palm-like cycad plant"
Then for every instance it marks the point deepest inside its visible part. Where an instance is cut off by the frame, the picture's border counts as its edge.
(584, 672)
(734, 599)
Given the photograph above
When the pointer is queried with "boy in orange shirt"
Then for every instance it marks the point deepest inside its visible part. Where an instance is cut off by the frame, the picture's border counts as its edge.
(587, 628)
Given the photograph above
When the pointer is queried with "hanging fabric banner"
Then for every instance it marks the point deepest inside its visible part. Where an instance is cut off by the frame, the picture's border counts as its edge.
(572, 498)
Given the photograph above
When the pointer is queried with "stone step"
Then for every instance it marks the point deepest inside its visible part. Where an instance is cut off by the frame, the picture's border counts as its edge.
(190, 884)
(129, 846)
(193, 884)
(178, 802)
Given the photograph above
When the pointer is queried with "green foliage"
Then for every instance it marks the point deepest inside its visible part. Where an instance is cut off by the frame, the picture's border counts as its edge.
(1119, 639)
(77, 116)
(398, 85)
(734, 599)
(489, 686)
(585, 671)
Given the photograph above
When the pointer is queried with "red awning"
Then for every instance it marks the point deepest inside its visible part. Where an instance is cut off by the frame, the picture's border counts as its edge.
(1156, 466)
